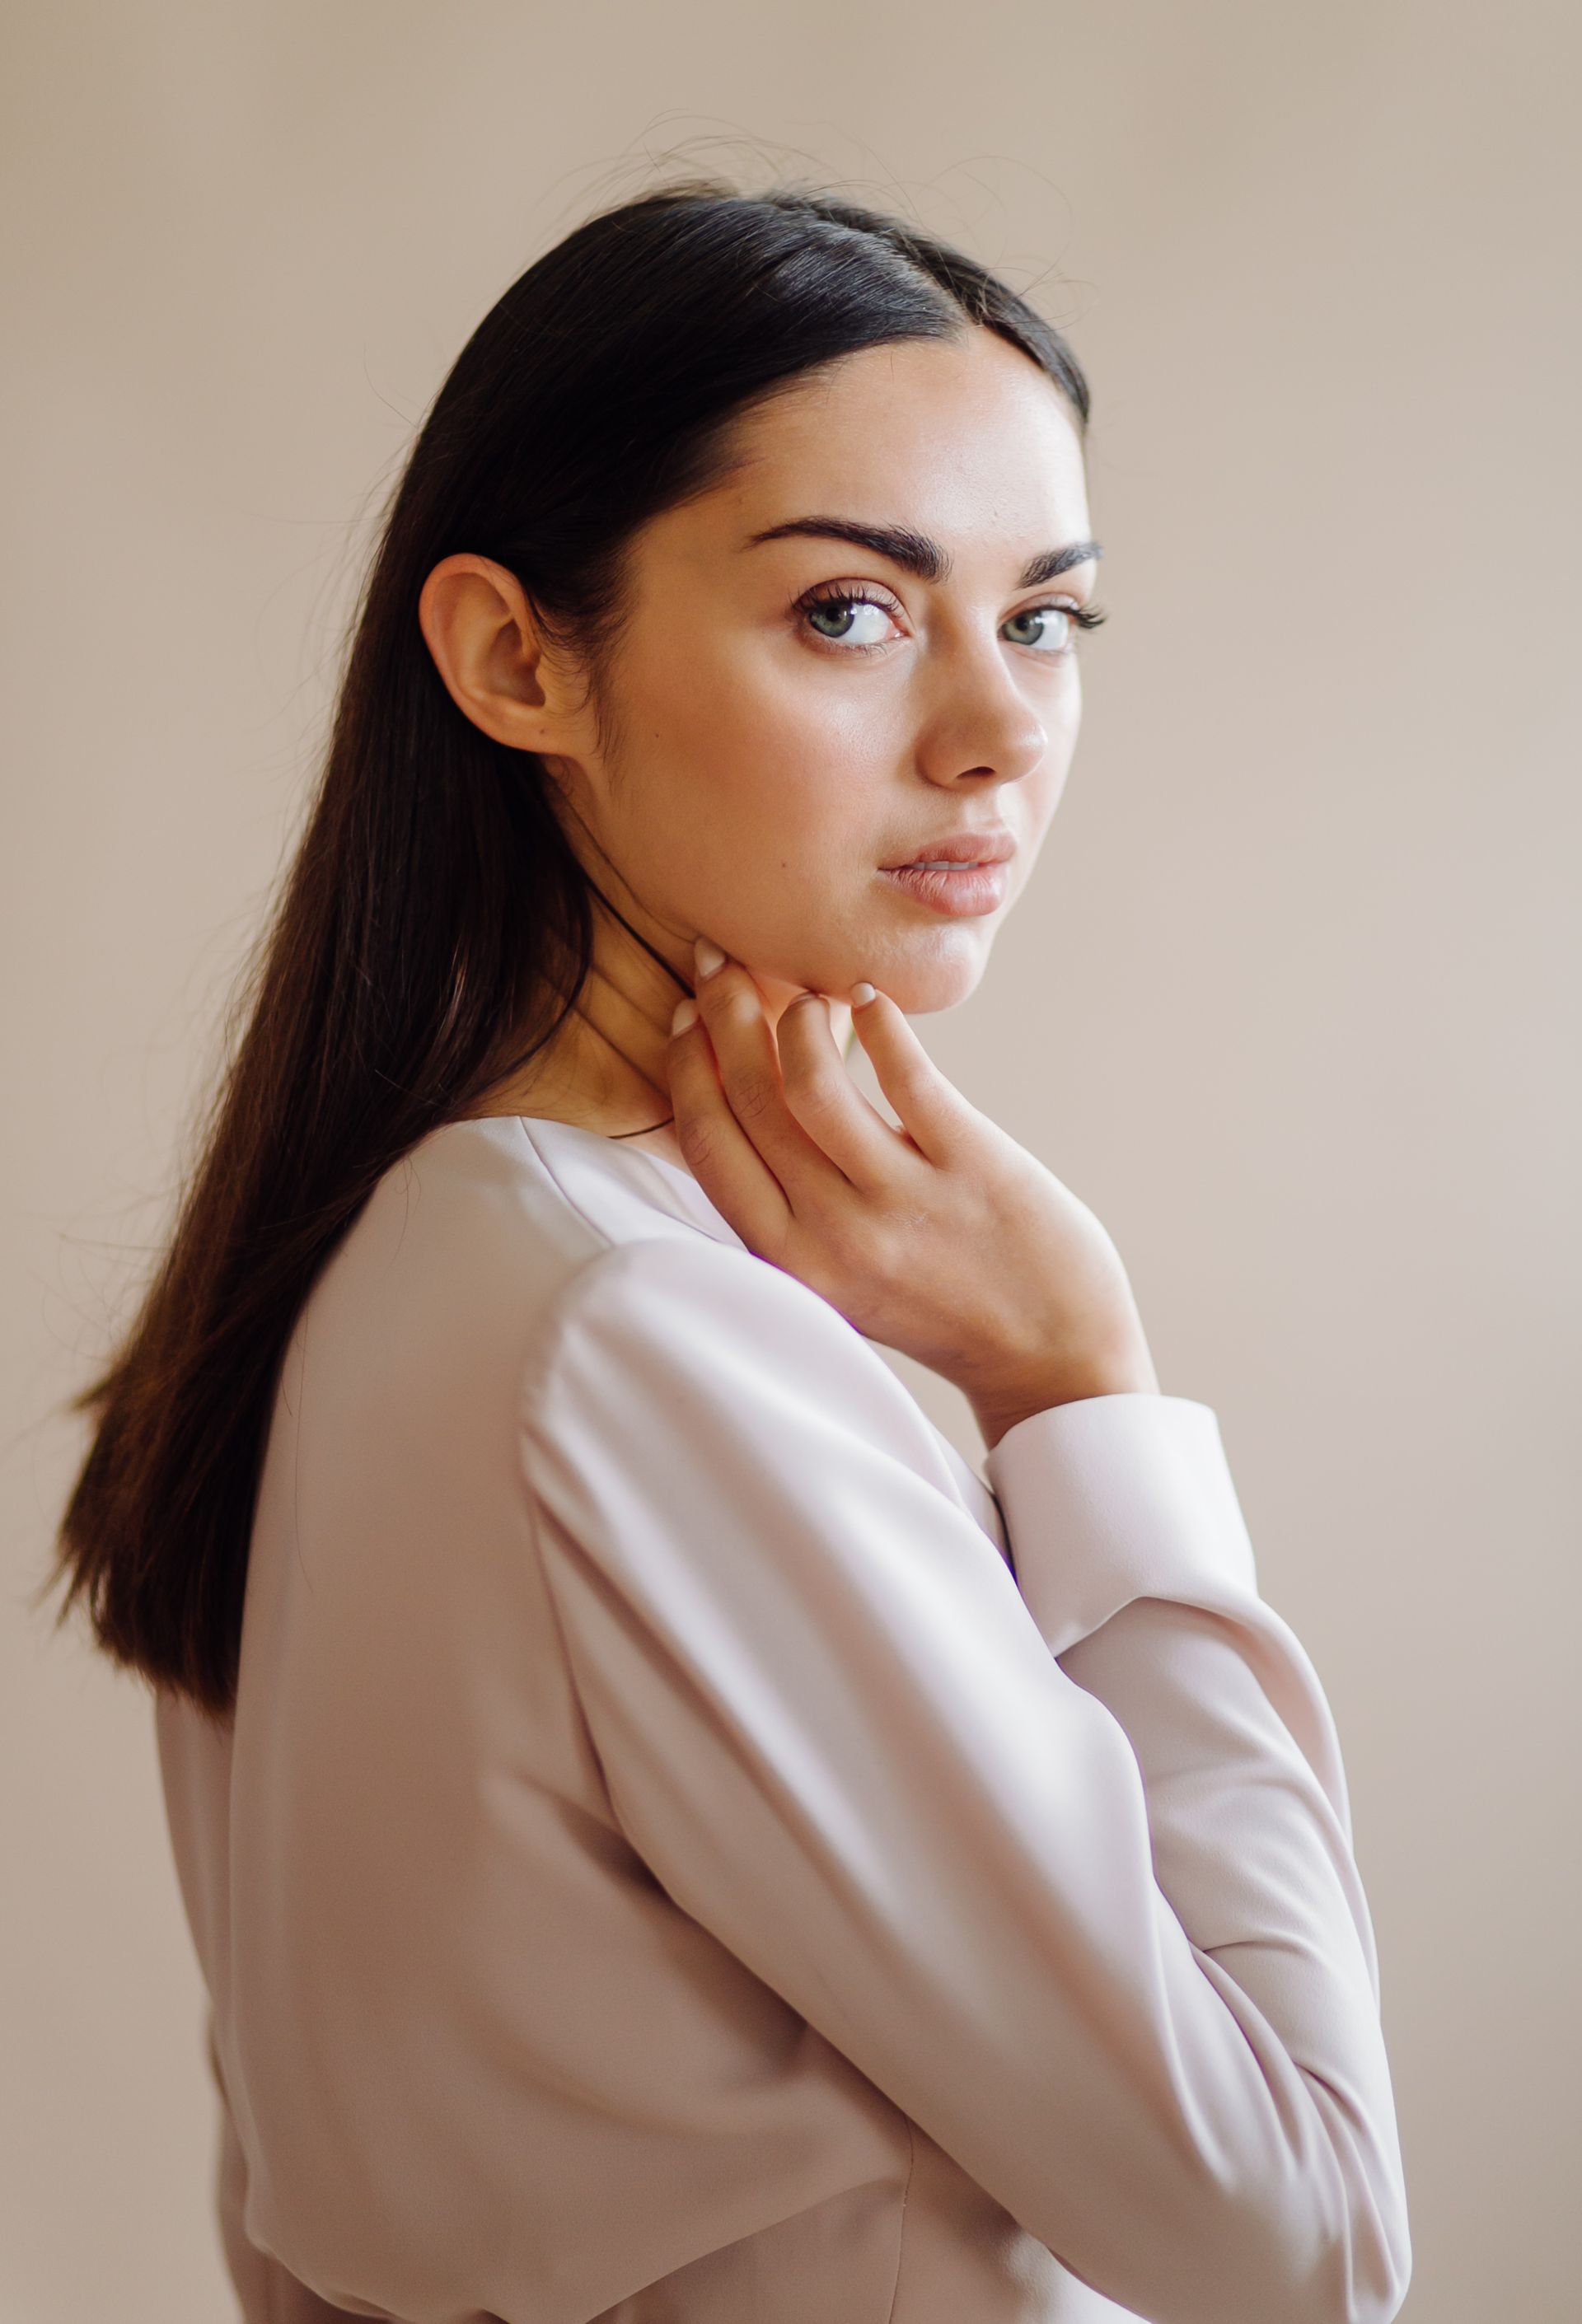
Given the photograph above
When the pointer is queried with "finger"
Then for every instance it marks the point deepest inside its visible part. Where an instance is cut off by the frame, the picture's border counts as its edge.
(716, 1150)
(749, 1071)
(826, 1100)
(931, 1111)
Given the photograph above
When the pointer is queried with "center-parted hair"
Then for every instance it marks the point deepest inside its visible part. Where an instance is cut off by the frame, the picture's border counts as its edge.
(434, 927)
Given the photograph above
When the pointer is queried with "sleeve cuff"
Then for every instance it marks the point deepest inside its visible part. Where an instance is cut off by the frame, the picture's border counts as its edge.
(1112, 1498)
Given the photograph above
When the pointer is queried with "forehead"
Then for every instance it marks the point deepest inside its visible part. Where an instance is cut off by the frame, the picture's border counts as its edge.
(967, 439)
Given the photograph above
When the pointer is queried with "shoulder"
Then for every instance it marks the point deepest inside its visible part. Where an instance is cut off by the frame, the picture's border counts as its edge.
(442, 1290)
(686, 1335)
(491, 1273)
(479, 1216)
(687, 1293)
(486, 1237)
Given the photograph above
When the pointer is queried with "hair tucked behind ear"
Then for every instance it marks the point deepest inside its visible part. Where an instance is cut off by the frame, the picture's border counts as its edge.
(434, 928)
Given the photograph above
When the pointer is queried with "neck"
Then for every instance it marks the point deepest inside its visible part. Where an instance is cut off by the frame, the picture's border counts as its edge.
(606, 1069)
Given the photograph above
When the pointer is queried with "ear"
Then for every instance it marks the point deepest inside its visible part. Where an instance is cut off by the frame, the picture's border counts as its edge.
(497, 664)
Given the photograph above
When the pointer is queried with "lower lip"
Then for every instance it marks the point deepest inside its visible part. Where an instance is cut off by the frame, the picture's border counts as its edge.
(965, 891)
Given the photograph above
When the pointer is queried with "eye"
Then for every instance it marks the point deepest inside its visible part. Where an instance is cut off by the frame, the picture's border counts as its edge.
(1047, 629)
(848, 618)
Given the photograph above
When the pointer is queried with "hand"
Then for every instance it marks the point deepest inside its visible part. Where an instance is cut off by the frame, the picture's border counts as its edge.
(943, 1238)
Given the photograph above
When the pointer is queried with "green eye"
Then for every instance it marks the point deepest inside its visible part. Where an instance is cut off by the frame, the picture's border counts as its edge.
(848, 620)
(833, 620)
(1046, 628)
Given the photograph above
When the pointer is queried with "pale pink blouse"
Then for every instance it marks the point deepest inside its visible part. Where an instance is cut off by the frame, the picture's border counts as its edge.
(689, 1851)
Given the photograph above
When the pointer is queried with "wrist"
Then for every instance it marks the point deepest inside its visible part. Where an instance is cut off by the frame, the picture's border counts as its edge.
(999, 1410)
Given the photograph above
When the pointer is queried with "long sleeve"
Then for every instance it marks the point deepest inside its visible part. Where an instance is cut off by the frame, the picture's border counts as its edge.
(1058, 1858)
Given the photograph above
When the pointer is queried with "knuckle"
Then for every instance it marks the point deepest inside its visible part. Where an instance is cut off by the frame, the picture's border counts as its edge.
(730, 991)
(913, 1083)
(699, 1140)
(811, 1086)
(751, 1092)
(730, 1004)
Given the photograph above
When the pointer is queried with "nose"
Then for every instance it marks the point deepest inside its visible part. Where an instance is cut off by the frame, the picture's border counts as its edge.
(982, 724)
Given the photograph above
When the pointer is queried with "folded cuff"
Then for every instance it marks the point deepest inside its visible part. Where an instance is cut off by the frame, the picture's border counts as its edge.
(1112, 1498)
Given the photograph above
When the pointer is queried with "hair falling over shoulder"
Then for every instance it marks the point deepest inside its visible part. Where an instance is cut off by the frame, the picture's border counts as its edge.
(435, 928)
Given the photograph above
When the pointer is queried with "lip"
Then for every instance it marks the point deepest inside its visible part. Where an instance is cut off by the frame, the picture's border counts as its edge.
(974, 881)
(962, 892)
(993, 846)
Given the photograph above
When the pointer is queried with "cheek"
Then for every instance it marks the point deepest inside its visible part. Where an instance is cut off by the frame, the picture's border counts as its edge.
(740, 765)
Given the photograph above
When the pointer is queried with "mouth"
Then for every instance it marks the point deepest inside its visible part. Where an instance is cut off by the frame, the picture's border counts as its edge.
(962, 877)
(960, 850)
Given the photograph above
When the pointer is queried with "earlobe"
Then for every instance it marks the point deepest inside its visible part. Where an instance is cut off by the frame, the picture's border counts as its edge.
(488, 650)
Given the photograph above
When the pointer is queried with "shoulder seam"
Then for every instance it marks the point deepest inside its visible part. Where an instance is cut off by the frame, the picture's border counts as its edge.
(536, 1377)
(608, 1260)
(567, 1196)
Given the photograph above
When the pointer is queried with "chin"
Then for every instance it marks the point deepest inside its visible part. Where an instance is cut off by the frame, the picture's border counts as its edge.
(938, 969)
(940, 978)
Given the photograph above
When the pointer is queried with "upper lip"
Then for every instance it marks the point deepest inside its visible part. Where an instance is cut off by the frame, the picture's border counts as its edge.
(962, 847)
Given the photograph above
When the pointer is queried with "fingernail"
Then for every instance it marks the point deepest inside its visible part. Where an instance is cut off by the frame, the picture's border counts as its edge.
(686, 1014)
(861, 994)
(708, 956)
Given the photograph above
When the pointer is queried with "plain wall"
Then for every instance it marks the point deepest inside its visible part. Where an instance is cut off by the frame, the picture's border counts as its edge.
(1290, 1000)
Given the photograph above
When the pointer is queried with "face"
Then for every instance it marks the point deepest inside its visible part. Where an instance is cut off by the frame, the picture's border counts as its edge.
(789, 714)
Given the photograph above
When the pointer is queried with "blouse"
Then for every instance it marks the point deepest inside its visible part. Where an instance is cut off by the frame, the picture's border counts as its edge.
(689, 1849)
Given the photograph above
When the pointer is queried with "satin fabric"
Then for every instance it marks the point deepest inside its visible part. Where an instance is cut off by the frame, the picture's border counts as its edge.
(688, 1849)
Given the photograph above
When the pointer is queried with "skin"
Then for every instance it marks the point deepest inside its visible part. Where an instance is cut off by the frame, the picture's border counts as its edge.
(732, 779)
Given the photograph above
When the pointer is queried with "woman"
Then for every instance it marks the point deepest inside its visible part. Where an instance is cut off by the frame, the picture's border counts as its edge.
(664, 1838)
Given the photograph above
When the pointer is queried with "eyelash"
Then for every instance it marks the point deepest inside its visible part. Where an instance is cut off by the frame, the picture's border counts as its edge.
(1082, 617)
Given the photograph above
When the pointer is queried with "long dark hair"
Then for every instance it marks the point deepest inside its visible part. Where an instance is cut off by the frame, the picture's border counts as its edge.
(435, 929)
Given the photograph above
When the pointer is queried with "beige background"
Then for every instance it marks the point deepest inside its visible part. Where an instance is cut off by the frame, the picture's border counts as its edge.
(1288, 1002)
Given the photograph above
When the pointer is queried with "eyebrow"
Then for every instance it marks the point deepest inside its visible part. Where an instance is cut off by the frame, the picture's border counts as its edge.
(915, 552)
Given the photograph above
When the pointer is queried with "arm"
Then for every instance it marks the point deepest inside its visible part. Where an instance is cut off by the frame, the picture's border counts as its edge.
(835, 1730)
(1219, 1700)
